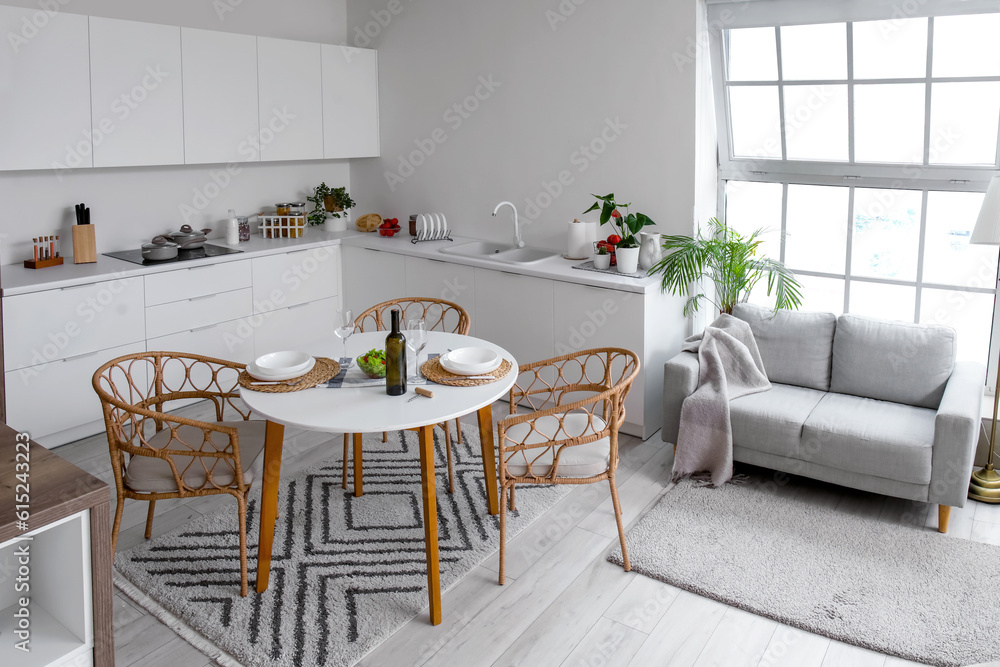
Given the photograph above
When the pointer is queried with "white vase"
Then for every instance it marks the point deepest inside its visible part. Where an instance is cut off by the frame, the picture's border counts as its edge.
(650, 252)
(628, 260)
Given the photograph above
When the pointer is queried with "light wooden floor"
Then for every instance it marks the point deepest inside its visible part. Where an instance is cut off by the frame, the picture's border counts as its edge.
(563, 603)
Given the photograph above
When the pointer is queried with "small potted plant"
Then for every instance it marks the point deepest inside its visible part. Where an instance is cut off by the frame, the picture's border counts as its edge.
(602, 257)
(331, 207)
(625, 226)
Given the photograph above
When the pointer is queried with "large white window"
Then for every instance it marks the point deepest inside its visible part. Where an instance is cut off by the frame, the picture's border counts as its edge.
(863, 137)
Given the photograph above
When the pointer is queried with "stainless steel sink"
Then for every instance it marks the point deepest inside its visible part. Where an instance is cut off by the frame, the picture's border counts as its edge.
(499, 252)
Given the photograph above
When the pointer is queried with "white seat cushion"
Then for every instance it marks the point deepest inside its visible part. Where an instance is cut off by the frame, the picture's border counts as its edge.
(151, 475)
(586, 460)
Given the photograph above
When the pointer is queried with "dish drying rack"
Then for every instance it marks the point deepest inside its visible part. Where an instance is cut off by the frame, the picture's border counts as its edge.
(432, 236)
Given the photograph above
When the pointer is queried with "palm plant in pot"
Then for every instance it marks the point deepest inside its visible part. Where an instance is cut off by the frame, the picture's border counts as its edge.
(625, 226)
(730, 260)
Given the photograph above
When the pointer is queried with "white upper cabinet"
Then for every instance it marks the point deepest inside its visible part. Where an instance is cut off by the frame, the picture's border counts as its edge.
(350, 102)
(136, 92)
(220, 97)
(44, 90)
(290, 80)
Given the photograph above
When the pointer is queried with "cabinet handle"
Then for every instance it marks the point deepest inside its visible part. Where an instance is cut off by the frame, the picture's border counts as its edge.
(210, 326)
(202, 298)
(301, 305)
(297, 252)
(79, 356)
(73, 287)
(201, 268)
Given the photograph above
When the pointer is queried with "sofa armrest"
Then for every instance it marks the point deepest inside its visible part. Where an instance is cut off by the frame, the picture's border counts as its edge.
(956, 433)
(680, 379)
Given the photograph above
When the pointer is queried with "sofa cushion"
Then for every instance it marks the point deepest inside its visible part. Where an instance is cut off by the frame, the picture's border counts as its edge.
(771, 421)
(796, 347)
(892, 361)
(870, 437)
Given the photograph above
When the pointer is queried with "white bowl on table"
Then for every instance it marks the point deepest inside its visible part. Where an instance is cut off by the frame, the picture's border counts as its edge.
(471, 361)
(277, 366)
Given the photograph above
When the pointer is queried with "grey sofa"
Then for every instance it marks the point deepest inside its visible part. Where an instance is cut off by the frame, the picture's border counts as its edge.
(869, 404)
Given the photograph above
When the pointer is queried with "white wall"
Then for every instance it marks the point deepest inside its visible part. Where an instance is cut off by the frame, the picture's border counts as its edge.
(565, 71)
(132, 205)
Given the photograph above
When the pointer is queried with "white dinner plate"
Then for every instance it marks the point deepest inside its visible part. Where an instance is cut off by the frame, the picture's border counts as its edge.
(471, 361)
(277, 375)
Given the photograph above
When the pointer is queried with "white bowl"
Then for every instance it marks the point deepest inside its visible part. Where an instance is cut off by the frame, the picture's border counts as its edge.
(471, 361)
(282, 363)
(270, 376)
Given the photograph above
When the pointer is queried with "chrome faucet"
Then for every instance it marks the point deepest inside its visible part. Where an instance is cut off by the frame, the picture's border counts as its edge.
(518, 243)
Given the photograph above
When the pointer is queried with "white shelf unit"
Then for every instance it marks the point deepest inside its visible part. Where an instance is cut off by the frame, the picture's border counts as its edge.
(60, 591)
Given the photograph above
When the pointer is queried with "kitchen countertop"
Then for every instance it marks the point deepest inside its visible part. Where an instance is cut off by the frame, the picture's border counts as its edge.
(15, 279)
(554, 268)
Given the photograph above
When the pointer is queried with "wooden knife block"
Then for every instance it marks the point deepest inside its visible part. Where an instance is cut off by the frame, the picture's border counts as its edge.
(84, 244)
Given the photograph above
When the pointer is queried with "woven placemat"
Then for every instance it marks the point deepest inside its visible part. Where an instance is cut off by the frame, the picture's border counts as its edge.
(321, 372)
(435, 372)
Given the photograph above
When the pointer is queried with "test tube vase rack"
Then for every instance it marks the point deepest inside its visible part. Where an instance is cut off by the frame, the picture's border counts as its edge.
(42, 263)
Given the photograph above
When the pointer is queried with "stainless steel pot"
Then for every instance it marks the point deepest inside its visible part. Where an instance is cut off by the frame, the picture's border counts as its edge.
(161, 248)
(188, 238)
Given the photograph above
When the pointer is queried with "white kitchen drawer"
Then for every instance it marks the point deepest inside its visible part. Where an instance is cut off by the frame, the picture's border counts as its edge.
(62, 323)
(53, 397)
(294, 328)
(197, 281)
(294, 278)
(202, 311)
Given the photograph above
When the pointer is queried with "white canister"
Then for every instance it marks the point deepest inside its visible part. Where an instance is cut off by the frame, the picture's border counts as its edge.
(232, 231)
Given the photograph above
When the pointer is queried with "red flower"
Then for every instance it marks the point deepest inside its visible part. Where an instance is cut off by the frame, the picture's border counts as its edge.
(616, 214)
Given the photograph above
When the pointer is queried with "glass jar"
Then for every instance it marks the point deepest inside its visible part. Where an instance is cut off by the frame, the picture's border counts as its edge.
(244, 225)
(283, 209)
(298, 208)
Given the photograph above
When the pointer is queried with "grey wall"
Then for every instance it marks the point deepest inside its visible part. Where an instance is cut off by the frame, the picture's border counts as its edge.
(566, 76)
(131, 205)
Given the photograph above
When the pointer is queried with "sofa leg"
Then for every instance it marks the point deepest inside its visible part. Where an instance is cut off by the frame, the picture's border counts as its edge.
(944, 513)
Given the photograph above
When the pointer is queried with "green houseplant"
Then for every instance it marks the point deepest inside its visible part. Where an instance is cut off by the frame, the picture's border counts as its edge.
(626, 226)
(335, 201)
(730, 260)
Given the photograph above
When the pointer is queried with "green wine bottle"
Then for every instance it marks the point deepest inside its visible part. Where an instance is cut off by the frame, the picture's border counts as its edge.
(395, 359)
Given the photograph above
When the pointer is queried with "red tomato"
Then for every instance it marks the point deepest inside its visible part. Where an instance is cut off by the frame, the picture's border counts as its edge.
(614, 239)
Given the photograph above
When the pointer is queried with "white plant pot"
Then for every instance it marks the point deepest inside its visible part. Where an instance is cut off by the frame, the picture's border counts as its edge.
(628, 260)
(333, 224)
(602, 261)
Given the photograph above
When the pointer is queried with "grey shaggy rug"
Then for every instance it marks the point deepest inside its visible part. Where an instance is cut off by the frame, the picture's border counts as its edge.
(896, 589)
(346, 572)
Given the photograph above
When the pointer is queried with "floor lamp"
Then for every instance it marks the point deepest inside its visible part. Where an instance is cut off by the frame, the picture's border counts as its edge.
(985, 485)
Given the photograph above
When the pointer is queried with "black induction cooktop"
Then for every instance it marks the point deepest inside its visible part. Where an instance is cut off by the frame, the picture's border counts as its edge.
(207, 250)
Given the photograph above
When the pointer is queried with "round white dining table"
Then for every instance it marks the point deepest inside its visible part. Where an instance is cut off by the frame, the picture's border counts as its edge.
(368, 409)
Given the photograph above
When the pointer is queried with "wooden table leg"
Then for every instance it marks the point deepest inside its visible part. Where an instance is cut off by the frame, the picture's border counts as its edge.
(273, 440)
(489, 457)
(358, 487)
(430, 521)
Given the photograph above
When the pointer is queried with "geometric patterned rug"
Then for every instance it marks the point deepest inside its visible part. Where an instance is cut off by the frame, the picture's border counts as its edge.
(346, 572)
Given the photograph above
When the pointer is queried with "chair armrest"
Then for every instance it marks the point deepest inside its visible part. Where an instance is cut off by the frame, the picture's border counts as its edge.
(680, 379)
(956, 433)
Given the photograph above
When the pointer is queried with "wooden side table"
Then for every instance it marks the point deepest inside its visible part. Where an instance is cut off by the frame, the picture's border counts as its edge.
(61, 565)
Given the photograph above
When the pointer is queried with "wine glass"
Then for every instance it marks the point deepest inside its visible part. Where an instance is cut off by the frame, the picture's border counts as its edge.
(345, 327)
(416, 340)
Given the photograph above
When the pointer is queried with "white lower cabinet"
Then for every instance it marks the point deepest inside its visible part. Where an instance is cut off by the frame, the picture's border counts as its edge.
(515, 312)
(592, 317)
(295, 278)
(442, 280)
(198, 313)
(230, 341)
(56, 402)
(294, 328)
(371, 277)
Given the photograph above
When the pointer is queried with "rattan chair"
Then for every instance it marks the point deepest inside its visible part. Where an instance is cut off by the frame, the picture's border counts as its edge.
(440, 315)
(156, 455)
(577, 404)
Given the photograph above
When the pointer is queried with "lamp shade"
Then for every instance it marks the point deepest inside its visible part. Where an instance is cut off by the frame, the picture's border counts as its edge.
(987, 229)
